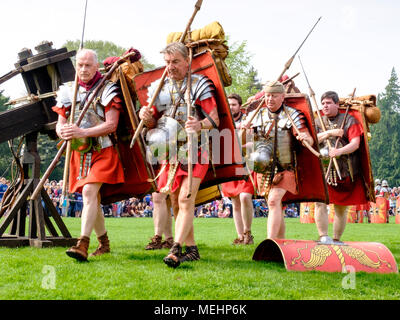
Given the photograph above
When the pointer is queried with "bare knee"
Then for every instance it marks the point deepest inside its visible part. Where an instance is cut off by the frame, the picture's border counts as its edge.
(274, 202)
(246, 197)
(184, 203)
(340, 210)
(158, 198)
(320, 208)
(90, 193)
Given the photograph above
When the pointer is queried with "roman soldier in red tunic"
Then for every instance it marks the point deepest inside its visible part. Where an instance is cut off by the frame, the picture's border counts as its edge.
(345, 182)
(94, 160)
(277, 158)
(168, 122)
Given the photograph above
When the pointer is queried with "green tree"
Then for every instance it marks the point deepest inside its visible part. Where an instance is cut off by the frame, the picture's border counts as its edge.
(47, 148)
(105, 49)
(245, 80)
(3, 101)
(4, 150)
(384, 144)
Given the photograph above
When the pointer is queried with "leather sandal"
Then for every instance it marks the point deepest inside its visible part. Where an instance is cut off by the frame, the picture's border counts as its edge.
(173, 259)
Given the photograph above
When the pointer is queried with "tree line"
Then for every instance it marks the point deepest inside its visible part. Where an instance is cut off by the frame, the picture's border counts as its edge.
(385, 141)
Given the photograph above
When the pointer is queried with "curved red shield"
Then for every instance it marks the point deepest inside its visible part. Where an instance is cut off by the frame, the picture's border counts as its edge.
(358, 112)
(379, 210)
(310, 174)
(307, 255)
(307, 212)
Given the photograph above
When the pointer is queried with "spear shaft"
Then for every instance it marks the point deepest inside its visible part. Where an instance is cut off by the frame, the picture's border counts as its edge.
(287, 66)
(341, 127)
(312, 95)
(72, 115)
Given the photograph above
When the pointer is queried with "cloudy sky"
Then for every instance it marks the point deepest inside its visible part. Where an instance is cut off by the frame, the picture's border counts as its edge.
(355, 45)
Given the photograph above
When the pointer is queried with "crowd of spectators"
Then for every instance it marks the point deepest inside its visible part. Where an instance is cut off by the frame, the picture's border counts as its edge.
(223, 209)
(4, 184)
(133, 207)
(72, 205)
(137, 208)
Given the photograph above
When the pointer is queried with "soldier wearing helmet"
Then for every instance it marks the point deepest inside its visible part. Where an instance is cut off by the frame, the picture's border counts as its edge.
(378, 186)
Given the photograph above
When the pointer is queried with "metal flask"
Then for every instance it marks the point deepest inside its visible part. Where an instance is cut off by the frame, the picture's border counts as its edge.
(260, 159)
(324, 151)
(164, 136)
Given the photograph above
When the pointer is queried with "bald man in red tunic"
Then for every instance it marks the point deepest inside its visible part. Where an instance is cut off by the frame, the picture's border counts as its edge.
(348, 189)
(94, 159)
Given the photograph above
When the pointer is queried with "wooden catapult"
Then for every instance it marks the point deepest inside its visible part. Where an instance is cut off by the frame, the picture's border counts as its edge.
(42, 74)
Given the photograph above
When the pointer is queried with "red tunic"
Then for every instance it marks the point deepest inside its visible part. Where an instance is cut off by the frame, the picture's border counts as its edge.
(364, 206)
(199, 169)
(106, 166)
(288, 182)
(234, 188)
(349, 192)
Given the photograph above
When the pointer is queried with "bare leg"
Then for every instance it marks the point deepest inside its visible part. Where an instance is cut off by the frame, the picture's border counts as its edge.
(99, 224)
(339, 223)
(90, 208)
(247, 210)
(168, 222)
(174, 198)
(160, 212)
(184, 232)
(321, 218)
(276, 223)
(237, 216)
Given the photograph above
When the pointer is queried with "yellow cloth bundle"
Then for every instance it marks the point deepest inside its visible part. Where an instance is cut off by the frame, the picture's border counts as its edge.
(213, 30)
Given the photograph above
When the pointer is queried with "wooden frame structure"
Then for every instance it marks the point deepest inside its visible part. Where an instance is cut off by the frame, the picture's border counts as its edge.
(42, 73)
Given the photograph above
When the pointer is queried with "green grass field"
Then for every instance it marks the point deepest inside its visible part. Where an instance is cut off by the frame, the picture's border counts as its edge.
(225, 272)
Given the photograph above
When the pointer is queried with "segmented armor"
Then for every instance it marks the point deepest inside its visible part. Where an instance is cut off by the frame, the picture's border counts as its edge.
(95, 115)
(264, 135)
(173, 92)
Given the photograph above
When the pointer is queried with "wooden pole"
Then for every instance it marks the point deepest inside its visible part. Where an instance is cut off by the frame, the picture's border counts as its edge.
(190, 134)
(288, 64)
(305, 143)
(312, 95)
(71, 120)
(341, 127)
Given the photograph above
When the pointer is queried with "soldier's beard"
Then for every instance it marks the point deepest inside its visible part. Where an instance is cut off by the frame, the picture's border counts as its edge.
(236, 115)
